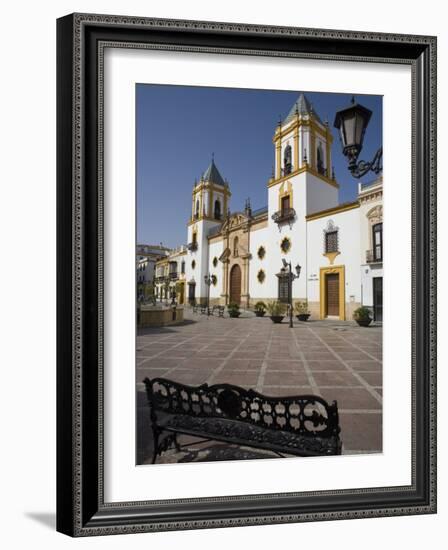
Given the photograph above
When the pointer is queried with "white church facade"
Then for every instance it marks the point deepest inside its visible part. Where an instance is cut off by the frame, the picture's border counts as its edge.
(338, 246)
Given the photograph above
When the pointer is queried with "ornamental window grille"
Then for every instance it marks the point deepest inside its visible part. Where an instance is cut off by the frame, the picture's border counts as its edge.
(215, 261)
(261, 276)
(261, 252)
(331, 241)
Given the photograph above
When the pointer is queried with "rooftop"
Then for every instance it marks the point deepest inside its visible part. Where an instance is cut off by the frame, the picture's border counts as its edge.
(213, 175)
(304, 107)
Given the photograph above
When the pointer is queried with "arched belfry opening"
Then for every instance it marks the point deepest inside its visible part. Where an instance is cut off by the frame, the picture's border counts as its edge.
(217, 210)
(320, 159)
(287, 160)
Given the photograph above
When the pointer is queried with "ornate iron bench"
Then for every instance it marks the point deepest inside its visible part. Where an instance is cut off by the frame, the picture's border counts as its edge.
(301, 425)
(219, 309)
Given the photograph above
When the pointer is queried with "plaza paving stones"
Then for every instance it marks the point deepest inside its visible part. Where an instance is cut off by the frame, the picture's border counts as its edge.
(339, 361)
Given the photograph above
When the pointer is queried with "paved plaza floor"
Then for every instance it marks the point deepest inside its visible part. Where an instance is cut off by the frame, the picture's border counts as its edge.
(337, 360)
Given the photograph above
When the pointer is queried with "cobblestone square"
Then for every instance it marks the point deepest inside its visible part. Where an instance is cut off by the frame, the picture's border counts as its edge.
(337, 360)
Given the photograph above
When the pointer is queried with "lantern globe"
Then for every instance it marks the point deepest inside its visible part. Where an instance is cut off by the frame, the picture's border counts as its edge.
(352, 123)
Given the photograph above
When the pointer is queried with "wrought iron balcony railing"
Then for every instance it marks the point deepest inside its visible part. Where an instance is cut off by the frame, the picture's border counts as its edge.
(173, 275)
(285, 215)
(192, 246)
(371, 257)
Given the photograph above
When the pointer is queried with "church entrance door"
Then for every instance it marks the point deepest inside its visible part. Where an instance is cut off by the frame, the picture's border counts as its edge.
(235, 285)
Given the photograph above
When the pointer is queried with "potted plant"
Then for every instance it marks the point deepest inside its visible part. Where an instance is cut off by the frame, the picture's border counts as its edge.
(362, 316)
(276, 311)
(234, 310)
(302, 310)
(260, 309)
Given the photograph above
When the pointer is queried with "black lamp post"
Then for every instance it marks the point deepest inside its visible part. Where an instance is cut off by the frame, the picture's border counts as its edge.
(352, 124)
(208, 279)
(291, 277)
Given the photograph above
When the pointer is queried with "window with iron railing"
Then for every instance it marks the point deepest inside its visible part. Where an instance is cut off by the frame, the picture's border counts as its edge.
(331, 241)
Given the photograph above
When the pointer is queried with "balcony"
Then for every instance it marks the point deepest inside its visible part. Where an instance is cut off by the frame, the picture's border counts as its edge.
(372, 258)
(285, 215)
(192, 246)
(174, 275)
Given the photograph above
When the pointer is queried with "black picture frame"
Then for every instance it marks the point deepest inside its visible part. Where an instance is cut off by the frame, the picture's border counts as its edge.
(81, 510)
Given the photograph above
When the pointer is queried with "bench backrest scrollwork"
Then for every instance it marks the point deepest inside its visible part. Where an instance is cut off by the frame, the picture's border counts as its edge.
(301, 414)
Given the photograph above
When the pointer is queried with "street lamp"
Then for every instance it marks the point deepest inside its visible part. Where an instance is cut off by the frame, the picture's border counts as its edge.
(291, 277)
(208, 279)
(352, 124)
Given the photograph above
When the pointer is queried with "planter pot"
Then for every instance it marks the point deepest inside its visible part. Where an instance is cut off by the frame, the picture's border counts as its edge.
(303, 316)
(260, 313)
(363, 322)
(234, 313)
(277, 318)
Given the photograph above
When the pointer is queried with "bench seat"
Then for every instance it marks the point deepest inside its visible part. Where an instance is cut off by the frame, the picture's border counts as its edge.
(244, 434)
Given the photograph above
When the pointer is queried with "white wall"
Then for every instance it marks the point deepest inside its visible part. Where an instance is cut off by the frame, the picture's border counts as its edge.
(215, 251)
(28, 142)
(348, 235)
(261, 238)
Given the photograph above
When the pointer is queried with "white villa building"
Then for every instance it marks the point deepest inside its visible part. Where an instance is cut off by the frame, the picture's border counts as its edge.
(338, 246)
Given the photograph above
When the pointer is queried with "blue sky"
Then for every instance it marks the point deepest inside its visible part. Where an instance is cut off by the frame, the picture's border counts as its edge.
(179, 127)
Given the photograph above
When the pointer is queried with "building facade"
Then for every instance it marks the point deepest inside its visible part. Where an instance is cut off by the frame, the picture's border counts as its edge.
(169, 280)
(338, 246)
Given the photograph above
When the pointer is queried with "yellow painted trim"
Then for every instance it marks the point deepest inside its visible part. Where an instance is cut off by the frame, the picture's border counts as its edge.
(331, 256)
(296, 148)
(284, 191)
(278, 165)
(217, 189)
(340, 270)
(306, 168)
(313, 124)
(290, 245)
(224, 214)
(313, 150)
(258, 250)
(334, 210)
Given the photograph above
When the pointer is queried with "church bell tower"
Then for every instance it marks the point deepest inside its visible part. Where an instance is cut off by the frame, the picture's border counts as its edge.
(210, 202)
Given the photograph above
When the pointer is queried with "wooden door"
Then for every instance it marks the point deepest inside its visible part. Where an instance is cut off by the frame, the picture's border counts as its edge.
(377, 298)
(235, 285)
(332, 291)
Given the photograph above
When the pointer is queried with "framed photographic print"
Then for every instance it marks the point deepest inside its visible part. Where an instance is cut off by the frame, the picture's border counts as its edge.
(246, 260)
